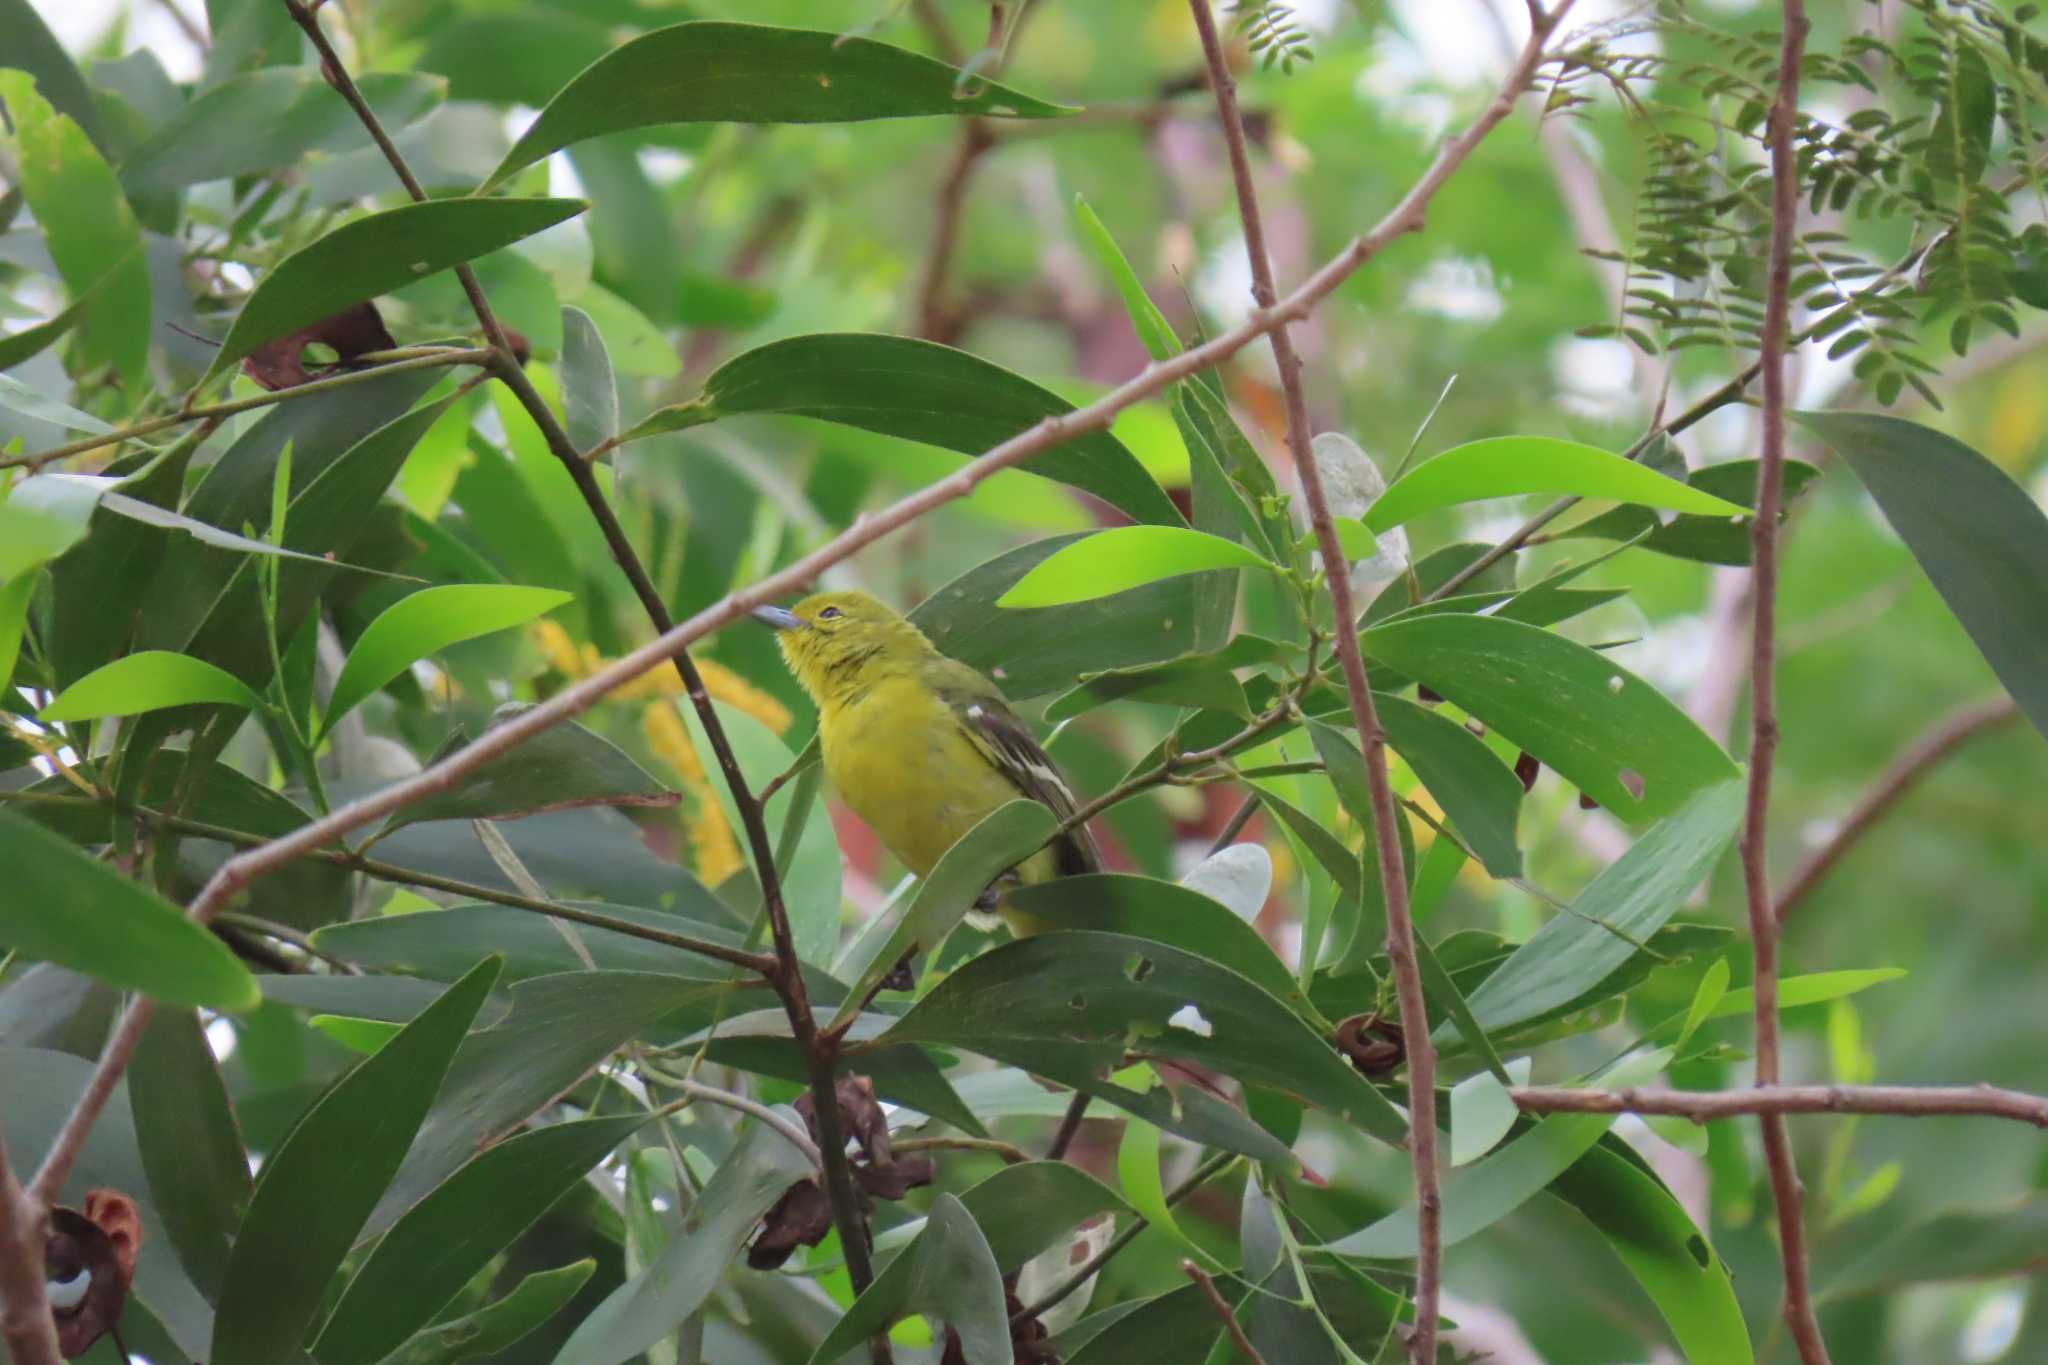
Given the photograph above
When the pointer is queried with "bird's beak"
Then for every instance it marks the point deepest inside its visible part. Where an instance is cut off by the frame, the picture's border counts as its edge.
(778, 618)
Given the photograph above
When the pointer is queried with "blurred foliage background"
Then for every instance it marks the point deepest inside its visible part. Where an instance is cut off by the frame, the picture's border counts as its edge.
(706, 241)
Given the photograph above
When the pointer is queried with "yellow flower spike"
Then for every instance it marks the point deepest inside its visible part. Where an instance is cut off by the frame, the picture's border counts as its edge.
(730, 688)
(716, 854)
(556, 647)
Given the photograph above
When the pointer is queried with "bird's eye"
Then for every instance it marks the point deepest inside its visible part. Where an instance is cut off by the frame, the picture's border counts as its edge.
(829, 614)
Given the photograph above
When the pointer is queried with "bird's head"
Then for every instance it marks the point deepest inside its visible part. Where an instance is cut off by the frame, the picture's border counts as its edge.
(833, 640)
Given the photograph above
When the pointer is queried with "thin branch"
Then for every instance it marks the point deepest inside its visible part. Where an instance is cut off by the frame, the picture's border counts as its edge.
(237, 873)
(1221, 1309)
(788, 978)
(1897, 1101)
(1421, 1053)
(1202, 1175)
(26, 1327)
(936, 320)
(1925, 752)
(697, 1091)
(375, 366)
(1008, 1151)
(1763, 746)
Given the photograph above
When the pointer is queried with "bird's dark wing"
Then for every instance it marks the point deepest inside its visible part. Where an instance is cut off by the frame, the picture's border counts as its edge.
(993, 728)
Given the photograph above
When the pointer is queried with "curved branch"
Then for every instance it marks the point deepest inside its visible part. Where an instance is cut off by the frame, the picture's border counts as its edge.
(1897, 1101)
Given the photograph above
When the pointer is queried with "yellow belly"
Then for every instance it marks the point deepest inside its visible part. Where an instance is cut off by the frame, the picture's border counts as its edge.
(900, 761)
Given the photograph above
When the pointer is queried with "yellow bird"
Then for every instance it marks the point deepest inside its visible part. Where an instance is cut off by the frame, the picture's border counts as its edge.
(918, 745)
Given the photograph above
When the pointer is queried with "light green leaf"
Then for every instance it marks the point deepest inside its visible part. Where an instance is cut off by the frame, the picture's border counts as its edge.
(19, 397)
(1713, 985)
(88, 225)
(375, 255)
(1482, 1113)
(59, 905)
(148, 681)
(1150, 324)
(1137, 1174)
(709, 72)
(1504, 466)
(1124, 558)
(1812, 989)
(425, 623)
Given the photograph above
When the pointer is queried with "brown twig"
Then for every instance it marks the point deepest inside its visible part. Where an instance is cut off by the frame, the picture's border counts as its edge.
(1910, 766)
(237, 873)
(1421, 1054)
(936, 319)
(1221, 1309)
(1009, 1152)
(1897, 1101)
(26, 1327)
(1763, 746)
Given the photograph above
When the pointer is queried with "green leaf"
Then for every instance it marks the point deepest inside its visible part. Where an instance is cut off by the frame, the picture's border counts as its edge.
(1127, 557)
(648, 1306)
(425, 623)
(190, 1145)
(1980, 538)
(438, 944)
(590, 395)
(1481, 795)
(1176, 1326)
(452, 1234)
(121, 505)
(1050, 649)
(1709, 539)
(999, 841)
(1057, 1000)
(560, 1028)
(14, 596)
(1713, 985)
(59, 905)
(563, 767)
(1572, 708)
(1652, 1234)
(1504, 466)
(320, 1186)
(376, 254)
(1956, 1244)
(265, 121)
(1151, 325)
(29, 537)
(31, 46)
(811, 882)
(949, 1274)
(18, 397)
(148, 681)
(92, 234)
(1206, 681)
(1168, 913)
(1137, 1174)
(1960, 142)
(1814, 988)
(1622, 907)
(709, 72)
(499, 1326)
(1482, 1113)
(1025, 1209)
(916, 391)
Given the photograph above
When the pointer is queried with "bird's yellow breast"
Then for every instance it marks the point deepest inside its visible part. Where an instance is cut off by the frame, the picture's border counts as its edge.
(901, 762)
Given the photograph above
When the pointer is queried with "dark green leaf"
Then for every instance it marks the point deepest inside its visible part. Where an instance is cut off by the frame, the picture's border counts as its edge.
(320, 1186)
(1025, 1209)
(266, 120)
(709, 72)
(562, 767)
(1574, 709)
(445, 1239)
(1709, 539)
(1620, 909)
(648, 1307)
(1033, 652)
(377, 254)
(590, 395)
(1176, 1326)
(1980, 537)
(59, 905)
(1203, 680)
(501, 1325)
(948, 1274)
(190, 1145)
(917, 391)
(1082, 996)
(438, 943)
(31, 47)
(1481, 795)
